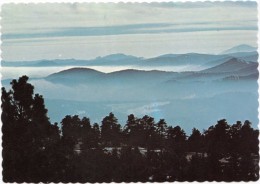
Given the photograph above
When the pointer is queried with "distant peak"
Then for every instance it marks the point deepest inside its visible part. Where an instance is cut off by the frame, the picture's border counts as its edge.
(240, 48)
(77, 71)
(167, 55)
(245, 45)
(233, 60)
(117, 56)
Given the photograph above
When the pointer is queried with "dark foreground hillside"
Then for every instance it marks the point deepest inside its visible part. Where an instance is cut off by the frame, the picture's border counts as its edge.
(34, 150)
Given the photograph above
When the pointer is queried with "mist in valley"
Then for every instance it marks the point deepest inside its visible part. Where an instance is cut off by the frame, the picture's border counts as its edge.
(192, 90)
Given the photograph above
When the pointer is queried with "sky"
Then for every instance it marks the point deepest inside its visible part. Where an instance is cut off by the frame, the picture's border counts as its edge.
(88, 30)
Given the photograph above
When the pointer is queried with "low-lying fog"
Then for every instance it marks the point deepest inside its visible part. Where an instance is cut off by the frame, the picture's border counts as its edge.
(39, 72)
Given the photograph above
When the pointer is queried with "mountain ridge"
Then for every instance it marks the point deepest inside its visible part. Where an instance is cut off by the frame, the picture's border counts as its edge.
(126, 60)
(240, 48)
(232, 65)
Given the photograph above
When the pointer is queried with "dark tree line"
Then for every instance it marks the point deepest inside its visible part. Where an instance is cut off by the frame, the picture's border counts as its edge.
(34, 150)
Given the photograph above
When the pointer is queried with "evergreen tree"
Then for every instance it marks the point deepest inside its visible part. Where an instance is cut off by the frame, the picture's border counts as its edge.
(110, 131)
(95, 135)
(195, 141)
(176, 138)
(148, 132)
(161, 129)
(132, 131)
(27, 134)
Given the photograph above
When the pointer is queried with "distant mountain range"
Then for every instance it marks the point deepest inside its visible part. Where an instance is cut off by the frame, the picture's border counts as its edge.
(232, 67)
(244, 52)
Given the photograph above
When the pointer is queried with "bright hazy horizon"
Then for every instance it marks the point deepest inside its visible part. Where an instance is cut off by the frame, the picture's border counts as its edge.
(89, 30)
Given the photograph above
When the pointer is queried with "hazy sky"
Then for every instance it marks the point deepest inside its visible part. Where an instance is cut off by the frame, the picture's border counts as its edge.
(85, 31)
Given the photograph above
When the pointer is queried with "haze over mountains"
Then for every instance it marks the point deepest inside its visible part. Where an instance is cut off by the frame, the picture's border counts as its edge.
(230, 67)
(198, 89)
(244, 52)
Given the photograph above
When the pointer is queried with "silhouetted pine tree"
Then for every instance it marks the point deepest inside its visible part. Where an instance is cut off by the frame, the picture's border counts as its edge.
(111, 131)
(28, 136)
